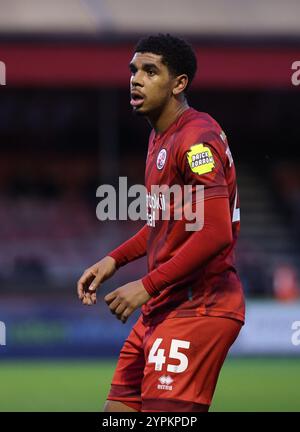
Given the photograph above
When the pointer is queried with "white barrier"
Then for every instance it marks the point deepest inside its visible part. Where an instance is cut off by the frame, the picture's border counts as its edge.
(271, 327)
(2, 333)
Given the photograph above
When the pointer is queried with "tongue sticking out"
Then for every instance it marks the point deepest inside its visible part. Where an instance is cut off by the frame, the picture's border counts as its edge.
(136, 102)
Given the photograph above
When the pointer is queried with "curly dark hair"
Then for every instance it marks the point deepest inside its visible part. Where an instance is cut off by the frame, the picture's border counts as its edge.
(176, 53)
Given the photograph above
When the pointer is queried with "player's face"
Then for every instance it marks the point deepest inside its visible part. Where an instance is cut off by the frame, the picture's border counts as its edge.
(151, 84)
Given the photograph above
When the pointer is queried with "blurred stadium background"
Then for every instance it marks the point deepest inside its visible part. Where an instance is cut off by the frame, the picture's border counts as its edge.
(66, 127)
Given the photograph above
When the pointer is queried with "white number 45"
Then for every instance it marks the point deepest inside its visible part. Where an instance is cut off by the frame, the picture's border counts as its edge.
(159, 358)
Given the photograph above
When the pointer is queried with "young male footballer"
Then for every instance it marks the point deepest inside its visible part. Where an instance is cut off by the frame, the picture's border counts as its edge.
(191, 298)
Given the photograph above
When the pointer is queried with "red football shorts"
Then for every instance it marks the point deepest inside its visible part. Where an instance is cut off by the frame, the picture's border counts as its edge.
(173, 365)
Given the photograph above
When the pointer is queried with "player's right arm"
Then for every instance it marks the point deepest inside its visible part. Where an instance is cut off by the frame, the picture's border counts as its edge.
(91, 279)
(131, 249)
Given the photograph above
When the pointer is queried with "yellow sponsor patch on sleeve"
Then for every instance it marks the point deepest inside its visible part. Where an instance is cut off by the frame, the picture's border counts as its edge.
(200, 159)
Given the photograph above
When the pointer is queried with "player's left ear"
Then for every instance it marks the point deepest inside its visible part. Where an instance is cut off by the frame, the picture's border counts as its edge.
(180, 84)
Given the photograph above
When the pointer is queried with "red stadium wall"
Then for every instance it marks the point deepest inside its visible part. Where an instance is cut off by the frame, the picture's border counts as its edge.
(50, 64)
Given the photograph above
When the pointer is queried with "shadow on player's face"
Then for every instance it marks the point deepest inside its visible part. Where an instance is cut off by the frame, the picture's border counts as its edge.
(151, 83)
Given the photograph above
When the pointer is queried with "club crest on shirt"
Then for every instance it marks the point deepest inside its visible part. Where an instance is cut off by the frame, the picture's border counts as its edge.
(161, 159)
(200, 159)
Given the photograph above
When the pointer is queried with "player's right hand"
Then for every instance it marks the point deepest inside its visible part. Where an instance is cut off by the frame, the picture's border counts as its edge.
(92, 277)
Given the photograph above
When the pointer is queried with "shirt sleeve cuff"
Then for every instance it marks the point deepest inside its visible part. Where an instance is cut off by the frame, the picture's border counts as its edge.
(118, 257)
(149, 286)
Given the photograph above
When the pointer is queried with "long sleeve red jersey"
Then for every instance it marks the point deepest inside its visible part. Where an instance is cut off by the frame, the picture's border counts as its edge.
(190, 273)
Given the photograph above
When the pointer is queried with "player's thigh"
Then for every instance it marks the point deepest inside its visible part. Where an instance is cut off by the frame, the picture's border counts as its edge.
(126, 383)
(183, 360)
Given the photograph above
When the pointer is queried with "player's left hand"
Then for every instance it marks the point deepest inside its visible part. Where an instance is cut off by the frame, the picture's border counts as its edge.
(125, 300)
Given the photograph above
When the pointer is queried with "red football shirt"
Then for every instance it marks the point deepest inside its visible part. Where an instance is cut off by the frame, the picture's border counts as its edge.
(192, 151)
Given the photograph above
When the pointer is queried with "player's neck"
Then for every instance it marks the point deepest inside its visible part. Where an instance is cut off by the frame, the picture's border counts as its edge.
(168, 116)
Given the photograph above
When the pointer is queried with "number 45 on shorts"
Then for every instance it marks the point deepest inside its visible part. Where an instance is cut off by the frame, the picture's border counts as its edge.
(157, 355)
